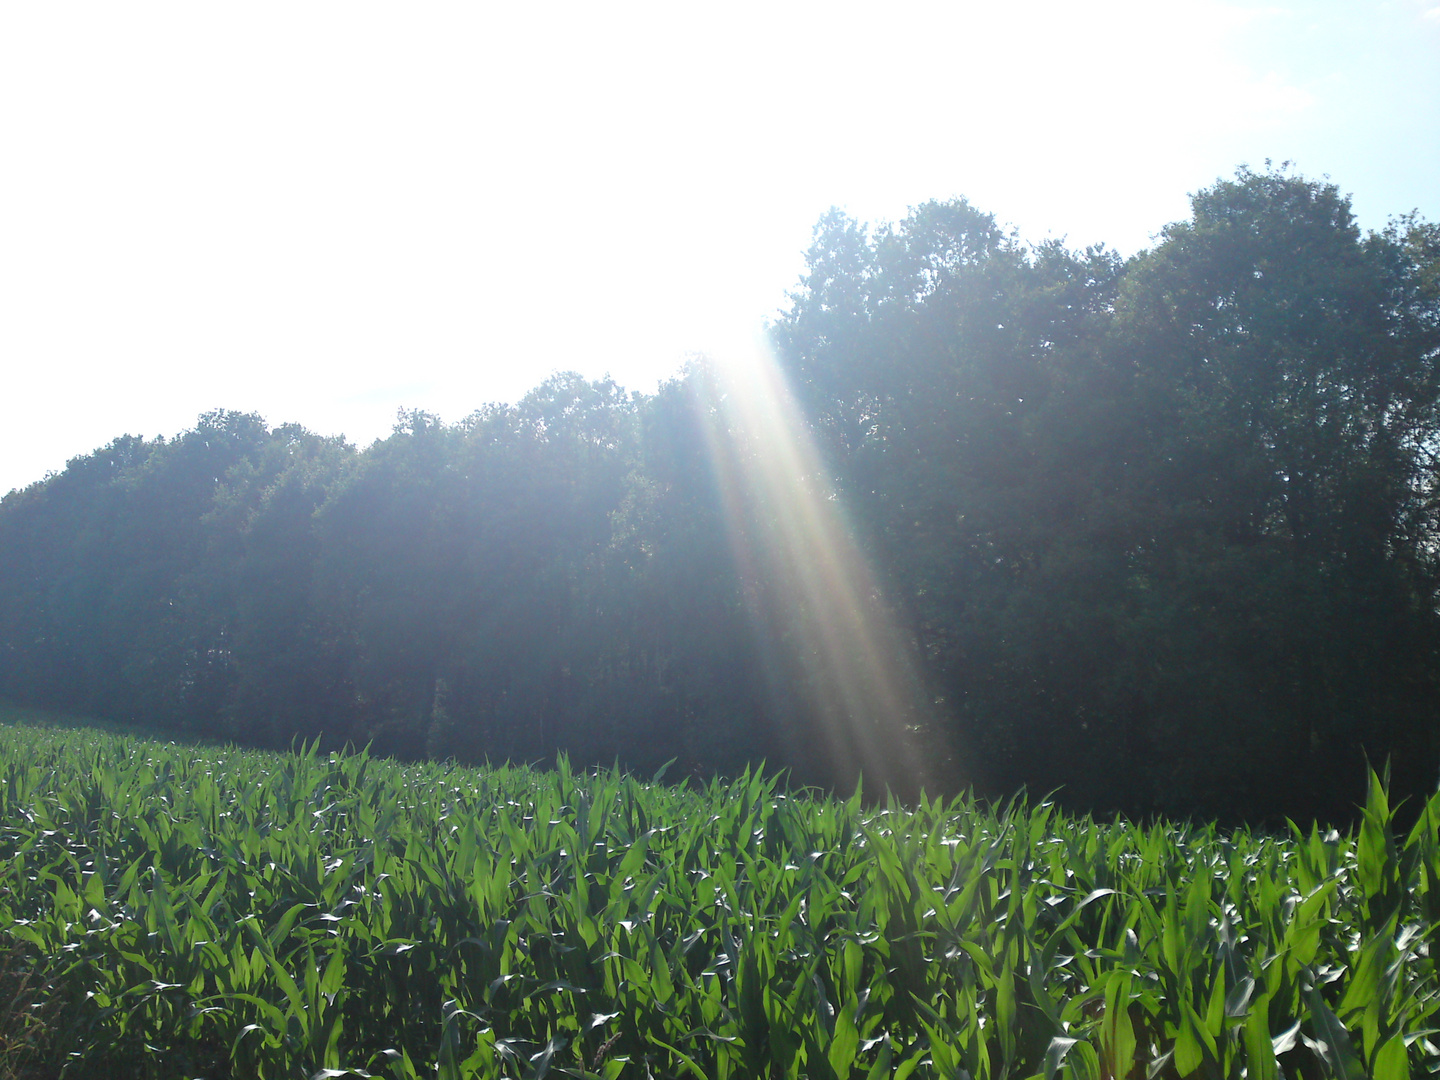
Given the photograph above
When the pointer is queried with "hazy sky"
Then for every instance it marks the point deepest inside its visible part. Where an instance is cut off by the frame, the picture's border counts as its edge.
(324, 212)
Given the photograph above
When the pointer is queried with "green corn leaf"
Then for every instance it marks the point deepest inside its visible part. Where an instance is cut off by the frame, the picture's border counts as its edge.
(1237, 1001)
(1006, 1019)
(1214, 1024)
(1392, 1061)
(1259, 1050)
(1085, 1062)
(1117, 1031)
(1334, 1045)
(1189, 1051)
(685, 1059)
(880, 1070)
(845, 1042)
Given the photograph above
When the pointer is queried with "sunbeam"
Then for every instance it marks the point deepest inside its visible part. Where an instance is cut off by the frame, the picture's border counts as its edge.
(839, 668)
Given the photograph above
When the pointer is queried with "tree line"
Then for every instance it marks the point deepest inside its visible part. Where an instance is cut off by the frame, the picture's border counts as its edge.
(1162, 533)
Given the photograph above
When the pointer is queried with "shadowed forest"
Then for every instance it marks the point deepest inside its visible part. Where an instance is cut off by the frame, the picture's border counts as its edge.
(1160, 532)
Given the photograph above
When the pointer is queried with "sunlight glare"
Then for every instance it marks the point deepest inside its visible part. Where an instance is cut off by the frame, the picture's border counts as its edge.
(822, 622)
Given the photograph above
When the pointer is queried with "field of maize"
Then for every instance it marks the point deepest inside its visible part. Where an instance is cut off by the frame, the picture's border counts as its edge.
(172, 911)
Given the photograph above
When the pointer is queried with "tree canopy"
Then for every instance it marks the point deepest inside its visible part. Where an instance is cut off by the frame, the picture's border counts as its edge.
(1162, 533)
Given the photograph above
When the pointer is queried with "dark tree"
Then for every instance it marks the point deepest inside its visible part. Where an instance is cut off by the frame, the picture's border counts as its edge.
(1163, 533)
(1167, 529)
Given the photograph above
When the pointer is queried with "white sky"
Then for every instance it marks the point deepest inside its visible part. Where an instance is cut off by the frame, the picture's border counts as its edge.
(323, 212)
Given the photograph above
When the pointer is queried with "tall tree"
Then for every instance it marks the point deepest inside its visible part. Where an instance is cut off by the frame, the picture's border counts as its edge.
(1284, 421)
(1164, 528)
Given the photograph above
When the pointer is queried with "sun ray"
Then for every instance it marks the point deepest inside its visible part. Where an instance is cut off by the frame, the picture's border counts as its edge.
(837, 663)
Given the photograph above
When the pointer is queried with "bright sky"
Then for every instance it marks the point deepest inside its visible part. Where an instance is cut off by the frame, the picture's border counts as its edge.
(323, 212)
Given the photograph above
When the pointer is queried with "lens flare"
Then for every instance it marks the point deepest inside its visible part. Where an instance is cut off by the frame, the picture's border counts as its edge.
(841, 675)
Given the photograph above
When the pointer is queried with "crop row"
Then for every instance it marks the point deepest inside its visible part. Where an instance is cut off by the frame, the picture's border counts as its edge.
(183, 912)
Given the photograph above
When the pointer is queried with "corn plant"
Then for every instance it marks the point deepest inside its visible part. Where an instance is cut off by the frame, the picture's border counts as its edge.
(210, 912)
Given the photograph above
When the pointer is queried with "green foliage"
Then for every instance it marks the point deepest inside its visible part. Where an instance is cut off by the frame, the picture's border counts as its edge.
(1161, 535)
(551, 575)
(226, 913)
(1167, 529)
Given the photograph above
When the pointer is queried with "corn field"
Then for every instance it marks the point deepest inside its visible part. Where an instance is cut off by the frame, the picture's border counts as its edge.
(190, 912)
